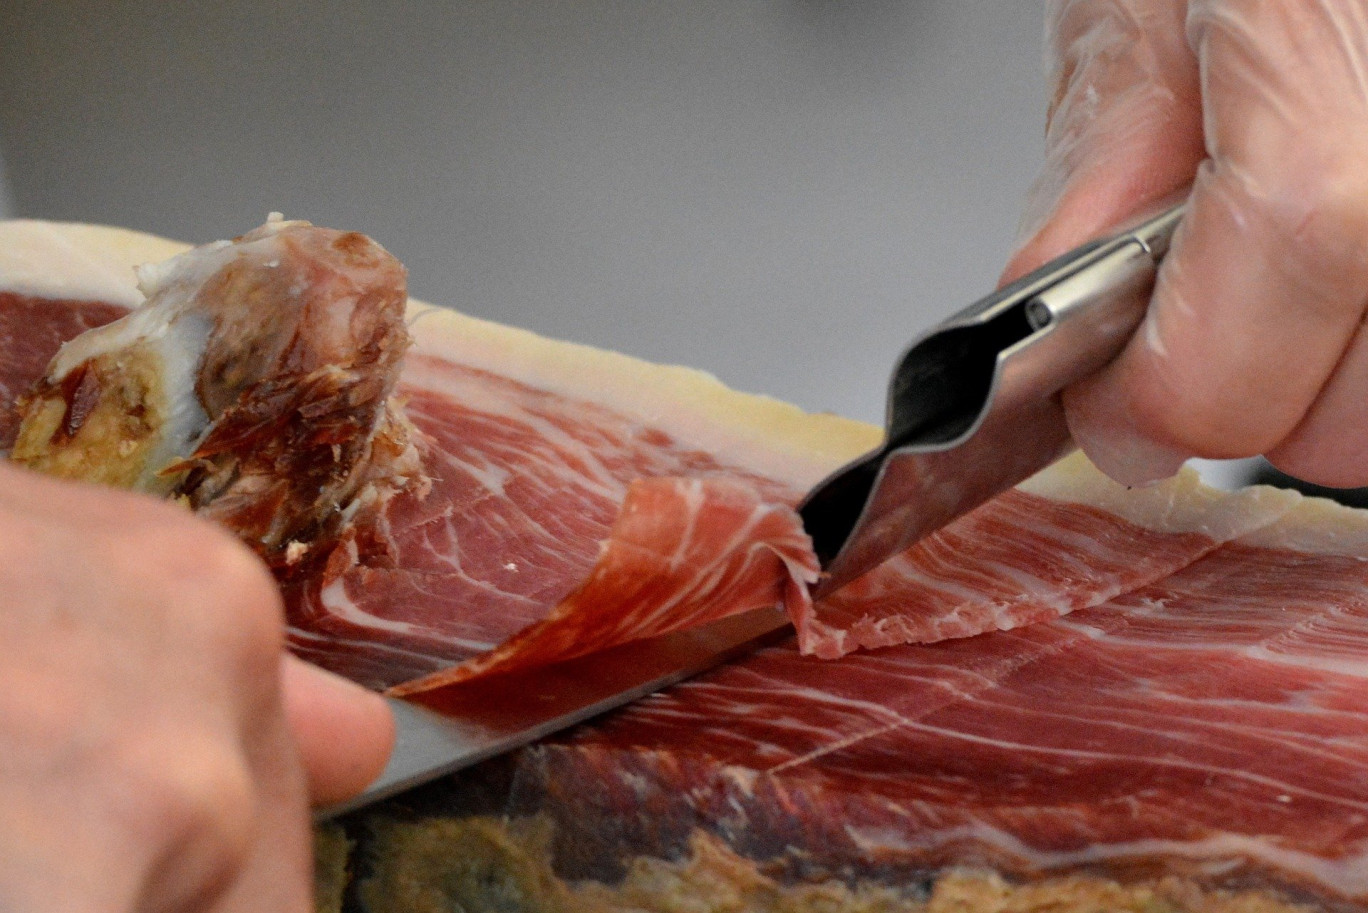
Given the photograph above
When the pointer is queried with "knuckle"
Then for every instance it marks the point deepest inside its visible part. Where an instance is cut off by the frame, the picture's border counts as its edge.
(1215, 427)
(209, 594)
(1315, 212)
(1200, 408)
(234, 597)
(197, 805)
(1339, 223)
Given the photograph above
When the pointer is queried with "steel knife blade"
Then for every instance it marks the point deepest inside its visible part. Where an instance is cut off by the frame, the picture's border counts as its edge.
(461, 725)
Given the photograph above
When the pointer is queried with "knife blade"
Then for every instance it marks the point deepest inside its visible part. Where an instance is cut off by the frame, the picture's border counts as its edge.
(444, 731)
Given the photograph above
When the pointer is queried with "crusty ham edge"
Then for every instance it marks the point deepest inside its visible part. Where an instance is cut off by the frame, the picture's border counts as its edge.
(253, 385)
(772, 438)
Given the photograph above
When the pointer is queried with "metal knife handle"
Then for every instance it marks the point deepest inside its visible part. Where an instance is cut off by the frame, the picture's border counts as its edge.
(972, 405)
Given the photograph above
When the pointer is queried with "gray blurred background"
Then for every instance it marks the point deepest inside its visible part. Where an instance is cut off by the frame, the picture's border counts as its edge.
(778, 191)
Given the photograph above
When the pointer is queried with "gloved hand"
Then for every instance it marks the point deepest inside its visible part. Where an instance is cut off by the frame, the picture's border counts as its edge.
(1253, 341)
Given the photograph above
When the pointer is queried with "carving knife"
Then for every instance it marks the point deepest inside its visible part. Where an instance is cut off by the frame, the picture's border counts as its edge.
(973, 409)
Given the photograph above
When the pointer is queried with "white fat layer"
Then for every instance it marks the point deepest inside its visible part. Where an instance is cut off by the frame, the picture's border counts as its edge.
(28, 252)
(181, 349)
(1182, 504)
(178, 277)
(77, 262)
(1318, 526)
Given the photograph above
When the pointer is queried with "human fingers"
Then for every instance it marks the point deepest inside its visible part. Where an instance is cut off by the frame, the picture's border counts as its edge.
(276, 870)
(215, 666)
(1124, 123)
(1328, 446)
(147, 762)
(1124, 129)
(343, 732)
(1264, 288)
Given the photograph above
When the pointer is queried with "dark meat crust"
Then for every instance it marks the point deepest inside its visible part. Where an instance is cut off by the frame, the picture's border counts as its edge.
(297, 380)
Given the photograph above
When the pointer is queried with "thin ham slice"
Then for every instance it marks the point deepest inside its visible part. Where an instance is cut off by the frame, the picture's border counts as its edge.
(661, 570)
(1066, 539)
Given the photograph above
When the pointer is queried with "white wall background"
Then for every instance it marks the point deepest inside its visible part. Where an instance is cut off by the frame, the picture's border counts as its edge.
(779, 191)
(6, 208)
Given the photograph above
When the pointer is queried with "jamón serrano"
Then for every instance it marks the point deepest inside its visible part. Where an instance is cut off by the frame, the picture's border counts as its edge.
(1173, 690)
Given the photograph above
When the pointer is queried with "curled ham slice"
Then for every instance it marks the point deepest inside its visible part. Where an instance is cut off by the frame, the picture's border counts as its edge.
(661, 569)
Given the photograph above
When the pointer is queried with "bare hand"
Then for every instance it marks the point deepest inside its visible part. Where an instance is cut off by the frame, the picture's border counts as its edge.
(153, 754)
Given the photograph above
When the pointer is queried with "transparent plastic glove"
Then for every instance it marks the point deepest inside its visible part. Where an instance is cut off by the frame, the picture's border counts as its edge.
(1253, 341)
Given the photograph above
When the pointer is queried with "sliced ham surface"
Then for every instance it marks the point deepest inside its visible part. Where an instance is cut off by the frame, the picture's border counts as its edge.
(1210, 724)
(521, 552)
(1197, 708)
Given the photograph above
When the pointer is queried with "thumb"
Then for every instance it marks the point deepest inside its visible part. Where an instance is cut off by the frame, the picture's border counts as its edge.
(343, 732)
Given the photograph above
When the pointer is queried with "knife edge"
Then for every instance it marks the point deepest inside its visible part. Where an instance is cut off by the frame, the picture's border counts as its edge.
(455, 727)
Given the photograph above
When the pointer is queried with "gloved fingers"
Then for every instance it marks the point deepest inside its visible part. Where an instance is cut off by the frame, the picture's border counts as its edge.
(1266, 282)
(1330, 445)
(1124, 126)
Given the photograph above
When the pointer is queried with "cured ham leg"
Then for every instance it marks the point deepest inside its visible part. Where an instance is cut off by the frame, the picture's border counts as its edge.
(1170, 718)
(254, 384)
(532, 448)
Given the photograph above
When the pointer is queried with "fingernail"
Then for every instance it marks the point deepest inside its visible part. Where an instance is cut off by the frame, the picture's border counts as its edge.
(1124, 455)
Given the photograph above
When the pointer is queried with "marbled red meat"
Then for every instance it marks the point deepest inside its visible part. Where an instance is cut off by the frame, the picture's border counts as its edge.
(511, 539)
(1205, 719)
(1213, 723)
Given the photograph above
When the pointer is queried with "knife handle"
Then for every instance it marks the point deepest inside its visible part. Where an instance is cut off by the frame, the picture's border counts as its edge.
(973, 406)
